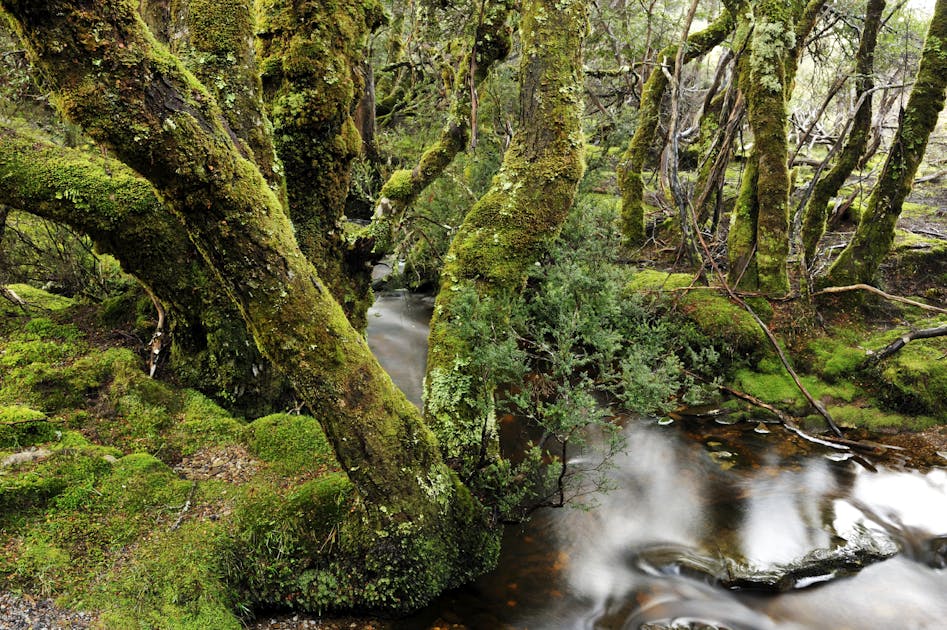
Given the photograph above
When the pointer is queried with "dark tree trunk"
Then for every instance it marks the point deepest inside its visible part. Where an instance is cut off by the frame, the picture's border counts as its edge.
(813, 226)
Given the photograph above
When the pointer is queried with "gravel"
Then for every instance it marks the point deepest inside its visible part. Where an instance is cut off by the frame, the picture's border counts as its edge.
(22, 612)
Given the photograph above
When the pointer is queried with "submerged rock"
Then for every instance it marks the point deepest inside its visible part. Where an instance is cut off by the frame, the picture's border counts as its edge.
(817, 567)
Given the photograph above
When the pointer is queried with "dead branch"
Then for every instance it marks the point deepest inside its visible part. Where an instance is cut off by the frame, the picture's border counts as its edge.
(877, 291)
(157, 339)
(903, 340)
(931, 177)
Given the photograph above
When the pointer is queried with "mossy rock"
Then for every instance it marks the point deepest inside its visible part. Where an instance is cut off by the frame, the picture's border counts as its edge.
(915, 379)
(204, 424)
(728, 326)
(292, 445)
(21, 426)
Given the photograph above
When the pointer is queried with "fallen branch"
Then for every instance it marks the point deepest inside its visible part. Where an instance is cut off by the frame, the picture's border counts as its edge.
(157, 339)
(784, 418)
(903, 340)
(931, 177)
(877, 291)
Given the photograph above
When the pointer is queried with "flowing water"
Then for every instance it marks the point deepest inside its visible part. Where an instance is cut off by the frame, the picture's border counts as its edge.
(690, 509)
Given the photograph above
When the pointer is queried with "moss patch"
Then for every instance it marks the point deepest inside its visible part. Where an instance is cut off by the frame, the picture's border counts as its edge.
(728, 326)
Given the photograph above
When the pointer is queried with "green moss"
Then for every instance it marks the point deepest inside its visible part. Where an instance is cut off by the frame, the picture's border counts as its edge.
(290, 444)
(728, 326)
(174, 581)
(779, 389)
(834, 358)
(21, 426)
(874, 419)
(915, 379)
(42, 299)
(204, 424)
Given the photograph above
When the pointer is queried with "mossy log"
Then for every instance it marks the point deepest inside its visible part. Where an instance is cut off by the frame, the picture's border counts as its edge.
(126, 90)
(508, 229)
(813, 224)
(635, 156)
(859, 261)
(102, 198)
(491, 45)
(309, 53)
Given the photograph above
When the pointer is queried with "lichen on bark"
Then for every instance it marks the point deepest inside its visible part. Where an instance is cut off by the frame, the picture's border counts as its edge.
(309, 54)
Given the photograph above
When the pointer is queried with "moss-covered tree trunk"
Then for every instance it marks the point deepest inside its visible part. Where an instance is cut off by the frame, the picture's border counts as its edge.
(215, 40)
(102, 198)
(758, 242)
(507, 230)
(874, 235)
(309, 56)
(813, 225)
(129, 92)
(491, 44)
(635, 156)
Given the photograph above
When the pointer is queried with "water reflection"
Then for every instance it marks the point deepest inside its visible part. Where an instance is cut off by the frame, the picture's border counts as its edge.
(397, 335)
(582, 569)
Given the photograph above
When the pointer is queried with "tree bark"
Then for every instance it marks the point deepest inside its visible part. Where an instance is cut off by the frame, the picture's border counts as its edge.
(507, 230)
(102, 198)
(215, 40)
(309, 55)
(758, 244)
(813, 226)
(129, 92)
(859, 261)
(635, 156)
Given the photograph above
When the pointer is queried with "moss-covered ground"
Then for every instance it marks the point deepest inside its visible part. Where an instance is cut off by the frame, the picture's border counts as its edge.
(150, 504)
(835, 361)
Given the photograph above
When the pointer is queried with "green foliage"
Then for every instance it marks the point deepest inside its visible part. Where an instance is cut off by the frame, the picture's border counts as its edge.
(45, 254)
(578, 348)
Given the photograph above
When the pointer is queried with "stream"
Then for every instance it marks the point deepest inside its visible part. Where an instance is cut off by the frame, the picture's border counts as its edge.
(740, 527)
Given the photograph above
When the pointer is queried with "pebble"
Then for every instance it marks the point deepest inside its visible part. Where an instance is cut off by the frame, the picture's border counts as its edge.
(22, 612)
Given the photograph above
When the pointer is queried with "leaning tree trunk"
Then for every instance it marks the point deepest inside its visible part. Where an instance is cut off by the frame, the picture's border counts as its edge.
(874, 235)
(631, 221)
(508, 229)
(309, 55)
(813, 226)
(758, 243)
(102, 198)
(215, 40)
(126, 90)
(491, 45)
